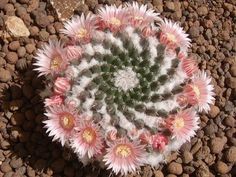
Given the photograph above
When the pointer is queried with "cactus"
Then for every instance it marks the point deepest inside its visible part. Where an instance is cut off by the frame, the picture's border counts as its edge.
(123, 90)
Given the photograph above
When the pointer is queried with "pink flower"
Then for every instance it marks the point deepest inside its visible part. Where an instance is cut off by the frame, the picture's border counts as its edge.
(51, 59)
(159, 142)
(61, 85)
(189, 65)
(147, 31)
(173, 36)
(112, 18)
(145, 137)
(88, 140)
(61, 122)
(123, 156)
(80, 28)
(73, 52)
(183, 125)
(200, 92)
(141, 16)
(53, 100)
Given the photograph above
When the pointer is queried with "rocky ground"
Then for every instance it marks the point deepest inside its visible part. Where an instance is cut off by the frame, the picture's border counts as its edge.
(25, 149)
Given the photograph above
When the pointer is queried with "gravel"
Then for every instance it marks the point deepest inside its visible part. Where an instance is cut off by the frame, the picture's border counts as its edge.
(26, 150)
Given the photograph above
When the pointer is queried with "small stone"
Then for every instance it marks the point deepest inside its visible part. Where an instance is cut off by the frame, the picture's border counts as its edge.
(214, 111)
(5, 75)
(14, 45)
(231, 154)
(41, 19)
(189, 169)
(3, 3)
(21, 51)
(16, 163)
(12, 57)
(17, 27)
(217, 144)
(231, 82)
(222, 167)
(158, 4)
(175, 168)
(203, 171)
(202, 11)
(5, 167)
(158, 173)
(17, 118)
(229, 121)
(58, 165)
(30, 171)
(43, 35)
(233, 70)
(4, 144)
(194, 31)
(187, 157)
(170, 5)
(33, 4)
(34, 30)
(210, 129)
(30, 48)
(171, 175)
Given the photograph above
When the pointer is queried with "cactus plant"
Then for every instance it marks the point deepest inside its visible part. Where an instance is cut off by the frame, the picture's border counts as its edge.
(123, 90)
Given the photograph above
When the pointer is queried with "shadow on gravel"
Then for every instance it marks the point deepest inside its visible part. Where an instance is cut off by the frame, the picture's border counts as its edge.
(23, 135)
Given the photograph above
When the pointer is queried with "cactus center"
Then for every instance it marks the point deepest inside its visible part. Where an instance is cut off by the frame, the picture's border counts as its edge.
(171, 37)
(56, 62)
(81, 33)
(126, 79)
(196, 91)
(88, 135)
(123, 150)
(115, 21)
(179, 123)
(67, 121)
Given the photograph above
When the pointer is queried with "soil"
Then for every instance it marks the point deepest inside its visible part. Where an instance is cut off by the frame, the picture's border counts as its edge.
(25, 148)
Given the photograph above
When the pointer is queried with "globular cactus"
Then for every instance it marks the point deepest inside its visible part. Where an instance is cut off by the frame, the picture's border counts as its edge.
(123, 91)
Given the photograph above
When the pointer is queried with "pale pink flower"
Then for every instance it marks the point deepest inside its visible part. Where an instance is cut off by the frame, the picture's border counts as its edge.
(61, 122)
(62, 85)
(148, 31)
(200, 92)
(73, 52)
(145, 137)
(173, 36)
(112, 135)
(123, 156)
(51, 59)
(88, 140)
(189, 66)
(140, 16)
(183, 125)
(80, 28)
(53, 100)
(112, 17)
(159, 142)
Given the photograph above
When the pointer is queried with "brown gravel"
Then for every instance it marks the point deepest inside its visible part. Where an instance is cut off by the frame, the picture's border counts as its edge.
(26, 150)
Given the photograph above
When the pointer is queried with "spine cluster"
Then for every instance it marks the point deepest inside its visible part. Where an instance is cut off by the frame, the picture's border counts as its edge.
(123, 91)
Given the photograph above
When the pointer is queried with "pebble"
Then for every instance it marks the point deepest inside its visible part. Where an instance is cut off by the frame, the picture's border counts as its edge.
(203, 171)
(14, 45)
(12, 57)
(58, 165)
(187, 157)
(170, 5)
(194, 31)
(229, 121)
(43, 35)
(30, 48)
(202, 11)
(158, 173)
(222, 167)
(5, 167)
(41, 19)
(175, 168)
(233, 70)
(30, 171)
(5, 75)
(158, 4)
(16, 163)
(230, 154)
(16, 27)
(214, 111)
(217, 144)
(231, 82)
(21, 51)
(17, 118)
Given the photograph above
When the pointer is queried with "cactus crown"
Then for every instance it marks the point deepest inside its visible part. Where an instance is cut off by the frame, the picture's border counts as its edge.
(123, 90)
